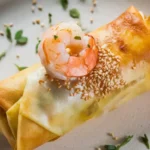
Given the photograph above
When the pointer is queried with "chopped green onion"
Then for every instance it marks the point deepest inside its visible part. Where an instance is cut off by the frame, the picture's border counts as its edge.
(145, 140)
(8, 34)
(77, 37)
(55, 37)
(20, 68)
(64, 4)
(74, 13)
(3, 54)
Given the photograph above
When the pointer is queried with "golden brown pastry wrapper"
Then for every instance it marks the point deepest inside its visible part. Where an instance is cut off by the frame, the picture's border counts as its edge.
(131, 35)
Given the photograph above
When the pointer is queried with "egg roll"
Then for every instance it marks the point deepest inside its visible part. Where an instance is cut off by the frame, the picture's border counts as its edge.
(40, 110)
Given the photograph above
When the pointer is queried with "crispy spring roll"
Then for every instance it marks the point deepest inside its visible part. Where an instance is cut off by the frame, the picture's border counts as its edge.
(82, 77)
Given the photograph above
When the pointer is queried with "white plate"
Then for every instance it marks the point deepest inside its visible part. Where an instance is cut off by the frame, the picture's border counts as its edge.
(131, 119)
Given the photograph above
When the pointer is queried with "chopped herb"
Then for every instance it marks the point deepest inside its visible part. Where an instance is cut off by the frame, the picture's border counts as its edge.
(88, 45)
(8, 34)
(18, 34)
(3, 54)
(22, 40)
(74, 13)
(110, 147)
(126, 141)
(37, 45)
(20, 68)
(50, 18)
(77, 37)
(145, 140)
(113, 147)
(64, 4)
(55, 37)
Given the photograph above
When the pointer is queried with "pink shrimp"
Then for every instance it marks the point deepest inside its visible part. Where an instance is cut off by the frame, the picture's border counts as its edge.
(66, 52)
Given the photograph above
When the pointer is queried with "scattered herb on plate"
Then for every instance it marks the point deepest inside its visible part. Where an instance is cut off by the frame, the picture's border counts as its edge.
(77, 37)
(8, 34)
(55, 37)
(2, 55)
(20, 39)
(113, 147)
(88, 45)
(50, 18)
(145, 140)
(20, 68)
(74, 13)
(64, 4)
(18, 34)
(37, 45)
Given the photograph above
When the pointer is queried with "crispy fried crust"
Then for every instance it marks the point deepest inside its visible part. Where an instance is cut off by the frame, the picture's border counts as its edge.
(11, 89)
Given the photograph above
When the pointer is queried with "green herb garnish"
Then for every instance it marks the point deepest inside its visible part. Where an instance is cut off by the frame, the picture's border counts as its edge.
(113, 147)
(50, 18)
(37, 45)
(127, 140)
(74, 13)
(22, 40)
(110, 147)
(8, 34)
(20, 68)
(3, 54)
(55, 37)
(64, 4)
(18, 34)
(88, 45)
(145, 140)
(77, 37)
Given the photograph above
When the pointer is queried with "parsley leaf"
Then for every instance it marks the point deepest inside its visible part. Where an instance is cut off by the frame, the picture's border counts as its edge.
(50, 18)
(113, 147)
(55, 37)
(22, 40)
(77, 37)
(18, 34)
(8, 34)
(64, 4)
(110, 147)
(145, 140)
(74, 13)
(37, 45)
(127, 140)
(20, 68)
(3, 54)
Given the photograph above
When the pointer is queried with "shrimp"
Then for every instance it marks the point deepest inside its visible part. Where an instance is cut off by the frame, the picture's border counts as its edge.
(66, 52)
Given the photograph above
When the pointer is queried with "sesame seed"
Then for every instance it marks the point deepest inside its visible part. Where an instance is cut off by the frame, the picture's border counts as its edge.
(17, 56)
(49, 89)
(34, 2)
(1, 33)
(11, 25)
(33, 22)
(41, 81)
(42, 25)
(40, 8)
(33, 9)
(38, 21)
(115, 138)
(6, 25)
(92, 10)
(91, 20)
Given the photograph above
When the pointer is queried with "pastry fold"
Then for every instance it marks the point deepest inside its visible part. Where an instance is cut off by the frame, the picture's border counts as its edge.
(36, 115)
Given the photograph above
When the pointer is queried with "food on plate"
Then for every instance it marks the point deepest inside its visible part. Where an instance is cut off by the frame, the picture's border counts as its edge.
(81, 77)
